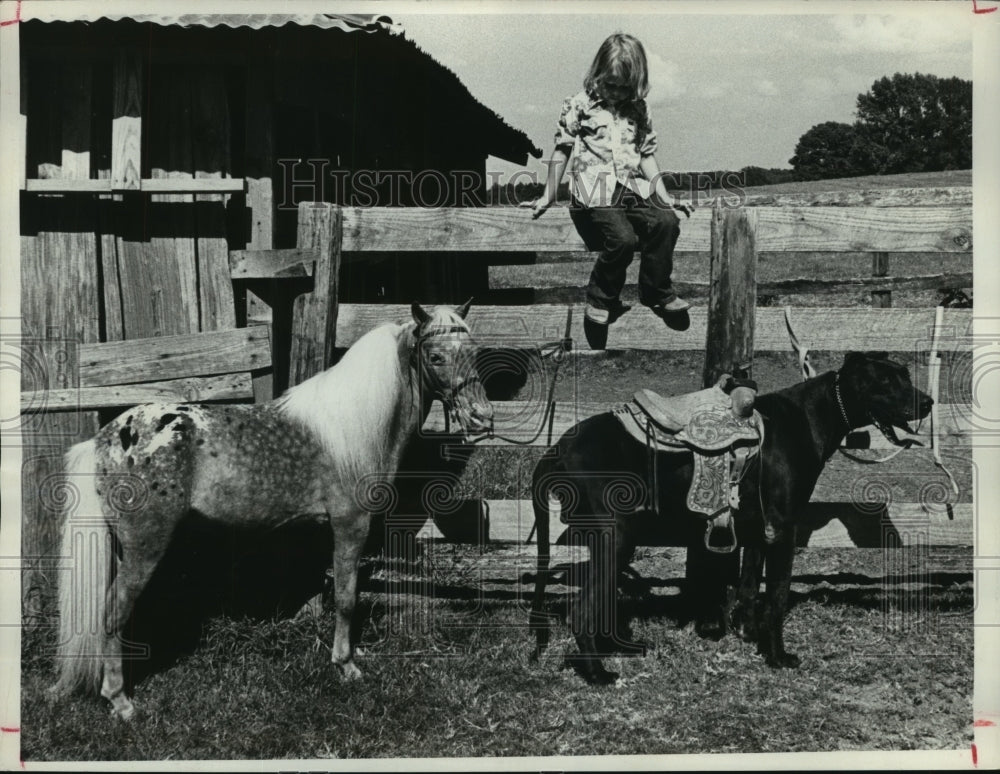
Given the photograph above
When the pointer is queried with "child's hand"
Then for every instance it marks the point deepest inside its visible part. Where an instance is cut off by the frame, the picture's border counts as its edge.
(538, 206)
(687, 209)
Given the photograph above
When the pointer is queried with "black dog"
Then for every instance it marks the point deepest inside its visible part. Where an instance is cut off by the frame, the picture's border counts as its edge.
(598, 473)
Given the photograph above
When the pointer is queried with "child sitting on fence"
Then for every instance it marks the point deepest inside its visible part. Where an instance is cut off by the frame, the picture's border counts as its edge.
(619, 201)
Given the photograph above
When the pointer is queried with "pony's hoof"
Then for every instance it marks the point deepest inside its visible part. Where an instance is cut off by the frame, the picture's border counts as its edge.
(350, 670)
(745, 625)
(124, 711)
(784, 661)
(593, 672)
(710, 630)
(601, 677)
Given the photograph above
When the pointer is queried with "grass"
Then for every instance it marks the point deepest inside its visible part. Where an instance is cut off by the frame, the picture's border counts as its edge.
(947, 179)
(447, 674)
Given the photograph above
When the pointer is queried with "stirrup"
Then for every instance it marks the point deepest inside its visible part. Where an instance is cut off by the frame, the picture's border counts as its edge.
(724, 549)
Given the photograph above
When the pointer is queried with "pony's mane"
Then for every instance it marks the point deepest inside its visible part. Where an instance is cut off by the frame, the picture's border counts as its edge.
(351, 407)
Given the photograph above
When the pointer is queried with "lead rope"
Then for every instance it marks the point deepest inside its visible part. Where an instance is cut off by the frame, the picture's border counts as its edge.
(808, 372)
(557, 350)
(933, 387)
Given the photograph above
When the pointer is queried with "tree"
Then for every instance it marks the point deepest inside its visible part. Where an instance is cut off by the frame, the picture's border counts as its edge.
(914, 123)
(825, 151)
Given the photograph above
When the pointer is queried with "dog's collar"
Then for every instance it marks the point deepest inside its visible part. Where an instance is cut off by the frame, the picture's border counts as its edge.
(885, 429)
(840, 401)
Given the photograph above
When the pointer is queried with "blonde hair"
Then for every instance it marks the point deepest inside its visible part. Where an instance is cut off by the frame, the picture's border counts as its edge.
(622, 58)
(350, 406)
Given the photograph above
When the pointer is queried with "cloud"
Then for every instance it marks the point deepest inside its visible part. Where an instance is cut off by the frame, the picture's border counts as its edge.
(714, 90)
(766, 87)
(928, 32)
(665, 81)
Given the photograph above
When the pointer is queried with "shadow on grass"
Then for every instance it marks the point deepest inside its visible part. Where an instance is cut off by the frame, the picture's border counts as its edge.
(211, 571)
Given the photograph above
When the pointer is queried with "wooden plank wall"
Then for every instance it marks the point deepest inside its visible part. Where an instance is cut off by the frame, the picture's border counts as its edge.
(125, 265)
(59, 307)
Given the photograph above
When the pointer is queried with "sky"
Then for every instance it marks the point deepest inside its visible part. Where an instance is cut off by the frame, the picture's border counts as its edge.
(727, 90)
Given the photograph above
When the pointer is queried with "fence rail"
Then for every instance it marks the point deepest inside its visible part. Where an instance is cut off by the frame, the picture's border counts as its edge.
(919, 499)
(223, 364)
(899, 229)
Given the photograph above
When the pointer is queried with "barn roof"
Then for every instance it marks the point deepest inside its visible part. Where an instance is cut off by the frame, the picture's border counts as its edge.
(349, 22)
(496, 136)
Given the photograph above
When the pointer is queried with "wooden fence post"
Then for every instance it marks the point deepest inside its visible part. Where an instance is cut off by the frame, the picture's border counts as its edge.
(732, 302)
(732, 299)
(314, 316)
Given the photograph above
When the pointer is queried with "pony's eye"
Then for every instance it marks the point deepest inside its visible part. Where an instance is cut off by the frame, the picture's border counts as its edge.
(436, 358)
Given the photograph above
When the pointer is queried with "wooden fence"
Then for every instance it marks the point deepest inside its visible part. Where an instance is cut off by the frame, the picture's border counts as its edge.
(909, 499)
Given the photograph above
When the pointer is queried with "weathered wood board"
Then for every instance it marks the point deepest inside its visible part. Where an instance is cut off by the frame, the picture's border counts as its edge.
(174, 357)
(899, 330)
(897, 229)
(823, 526)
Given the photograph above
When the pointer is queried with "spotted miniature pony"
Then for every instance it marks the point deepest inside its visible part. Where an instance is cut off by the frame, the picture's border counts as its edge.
(323, 450)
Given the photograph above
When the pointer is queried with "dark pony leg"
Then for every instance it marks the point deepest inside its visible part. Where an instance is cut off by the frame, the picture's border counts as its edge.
(538, 619)
(350, 531)
(707, 577)
(593, 617)
(621, 640)
(745, 614)
(780, 556)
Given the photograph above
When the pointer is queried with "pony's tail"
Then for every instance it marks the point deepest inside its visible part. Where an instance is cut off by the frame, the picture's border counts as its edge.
(87, 548)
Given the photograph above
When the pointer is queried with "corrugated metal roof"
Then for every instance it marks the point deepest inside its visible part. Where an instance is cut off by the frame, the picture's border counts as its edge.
(349, 22)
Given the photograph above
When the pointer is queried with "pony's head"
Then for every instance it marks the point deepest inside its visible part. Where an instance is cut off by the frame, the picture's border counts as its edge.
(445, 357)
(871, 388)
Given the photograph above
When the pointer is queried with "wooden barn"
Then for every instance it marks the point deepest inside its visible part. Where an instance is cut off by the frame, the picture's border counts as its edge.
(161, 154)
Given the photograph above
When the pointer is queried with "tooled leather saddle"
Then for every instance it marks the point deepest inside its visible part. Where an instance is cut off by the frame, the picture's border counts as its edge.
(720, 427)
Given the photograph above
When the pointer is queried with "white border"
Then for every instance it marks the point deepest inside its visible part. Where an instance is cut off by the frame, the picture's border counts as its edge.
(986, 75)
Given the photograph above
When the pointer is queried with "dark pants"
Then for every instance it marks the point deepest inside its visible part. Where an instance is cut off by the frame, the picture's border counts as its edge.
(617, 231)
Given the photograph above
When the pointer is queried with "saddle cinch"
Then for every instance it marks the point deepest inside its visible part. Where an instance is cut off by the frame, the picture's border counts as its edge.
(720, 427)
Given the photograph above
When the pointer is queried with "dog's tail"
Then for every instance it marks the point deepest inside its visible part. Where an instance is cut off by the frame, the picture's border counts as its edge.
(87, 548)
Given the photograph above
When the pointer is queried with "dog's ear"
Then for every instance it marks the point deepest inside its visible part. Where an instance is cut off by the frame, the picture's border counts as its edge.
(856, 358)
(419, 315)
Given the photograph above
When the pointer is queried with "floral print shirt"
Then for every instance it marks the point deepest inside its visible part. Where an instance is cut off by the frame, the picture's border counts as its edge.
(608, 143)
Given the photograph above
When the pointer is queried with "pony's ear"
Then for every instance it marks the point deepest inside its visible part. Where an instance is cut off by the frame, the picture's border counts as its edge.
(419, 315)
(463, 309)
